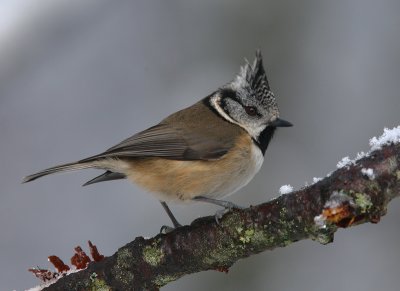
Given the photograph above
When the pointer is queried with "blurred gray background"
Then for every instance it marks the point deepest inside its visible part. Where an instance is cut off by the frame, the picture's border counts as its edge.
(77, 77)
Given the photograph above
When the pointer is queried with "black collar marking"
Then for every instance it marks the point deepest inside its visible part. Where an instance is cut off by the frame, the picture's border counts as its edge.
(264, 138)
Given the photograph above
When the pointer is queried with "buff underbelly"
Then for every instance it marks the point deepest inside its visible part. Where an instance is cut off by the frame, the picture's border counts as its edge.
(180, 181)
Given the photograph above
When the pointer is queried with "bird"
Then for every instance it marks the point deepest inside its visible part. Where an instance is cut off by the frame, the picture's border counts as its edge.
(204, 152)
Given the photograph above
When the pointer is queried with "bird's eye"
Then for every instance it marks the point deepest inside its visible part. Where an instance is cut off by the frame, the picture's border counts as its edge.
(250, 110)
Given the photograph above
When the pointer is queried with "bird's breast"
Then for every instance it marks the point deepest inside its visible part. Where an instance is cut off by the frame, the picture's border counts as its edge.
(173, 180)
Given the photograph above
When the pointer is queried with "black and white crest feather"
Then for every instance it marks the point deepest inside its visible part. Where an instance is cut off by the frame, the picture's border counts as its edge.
(253, 80)
(248, 91)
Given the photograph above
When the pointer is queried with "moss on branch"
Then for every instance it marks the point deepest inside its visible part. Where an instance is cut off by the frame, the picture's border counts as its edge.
(347, 197)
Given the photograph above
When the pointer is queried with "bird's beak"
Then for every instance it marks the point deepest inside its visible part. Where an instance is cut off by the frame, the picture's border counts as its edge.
(280, 123)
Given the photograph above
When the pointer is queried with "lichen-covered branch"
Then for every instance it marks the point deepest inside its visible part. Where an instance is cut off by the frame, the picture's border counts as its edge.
(354, 194)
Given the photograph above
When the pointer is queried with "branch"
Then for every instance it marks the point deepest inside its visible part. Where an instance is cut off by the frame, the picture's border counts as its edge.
(354, 194)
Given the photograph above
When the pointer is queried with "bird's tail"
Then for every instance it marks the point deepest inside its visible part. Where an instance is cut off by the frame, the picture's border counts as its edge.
(60, 168)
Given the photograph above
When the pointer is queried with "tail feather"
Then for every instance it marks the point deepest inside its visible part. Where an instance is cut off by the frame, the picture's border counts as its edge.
(60, 168)
(107, 176)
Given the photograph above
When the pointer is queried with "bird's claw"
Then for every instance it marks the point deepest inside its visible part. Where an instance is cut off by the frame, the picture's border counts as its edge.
(228, 207)
(167, 229)
(219, 213)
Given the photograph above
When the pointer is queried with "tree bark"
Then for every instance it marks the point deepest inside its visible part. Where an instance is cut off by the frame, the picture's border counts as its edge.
(351, 195)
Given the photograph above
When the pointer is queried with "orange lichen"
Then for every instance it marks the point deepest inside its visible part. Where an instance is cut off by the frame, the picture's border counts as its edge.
(43, 274)
(80, 260)
(343, 215)
(222, 269)
(337, 214)
(97, 257)
(59, 264)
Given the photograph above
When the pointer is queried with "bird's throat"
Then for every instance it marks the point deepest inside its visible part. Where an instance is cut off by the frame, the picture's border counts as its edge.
(264, 138)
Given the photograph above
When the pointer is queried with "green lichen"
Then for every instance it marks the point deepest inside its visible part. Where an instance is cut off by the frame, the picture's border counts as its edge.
(231, 221)
(246, 236)
(93, 276)
(363, 201)
(97, 284)
(263, 238)
(286, 228)
(226, 248)
(392, 164)
(162, 280)
(239, 229)
(153, 254)
(222, 253)
(286, 223)
(283, 213)
(122, 270)
(321, 233)
(398, 175)
(324, 236)
(373, 186)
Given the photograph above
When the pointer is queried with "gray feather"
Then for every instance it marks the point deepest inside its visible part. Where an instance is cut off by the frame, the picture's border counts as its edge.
(57, 169)
(107, 176)
(157, 141)
(178, 137)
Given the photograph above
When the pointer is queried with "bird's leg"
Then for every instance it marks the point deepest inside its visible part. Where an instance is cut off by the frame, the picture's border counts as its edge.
(165, 228)
(226, 204)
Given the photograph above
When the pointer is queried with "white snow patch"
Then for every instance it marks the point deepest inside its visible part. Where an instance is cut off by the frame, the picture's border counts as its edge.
(368, 172)
(389, 136)
(285, 189)
(361, 155)
(316, 179)
(320, 221)
(345, 162)
(337, 199)
(42, 286)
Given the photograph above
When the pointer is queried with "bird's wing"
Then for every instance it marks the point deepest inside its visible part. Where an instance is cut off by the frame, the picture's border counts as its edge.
(169, 142)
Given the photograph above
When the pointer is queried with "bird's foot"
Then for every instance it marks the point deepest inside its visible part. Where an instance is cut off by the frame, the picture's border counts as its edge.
(167, 229)
(227, 207)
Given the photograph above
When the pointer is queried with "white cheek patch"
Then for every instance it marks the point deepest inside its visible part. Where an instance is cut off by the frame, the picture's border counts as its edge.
(216, 104)
(255, 132)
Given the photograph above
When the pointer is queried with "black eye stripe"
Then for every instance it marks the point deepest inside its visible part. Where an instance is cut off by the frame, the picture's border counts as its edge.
(229, 93)
(222, 103)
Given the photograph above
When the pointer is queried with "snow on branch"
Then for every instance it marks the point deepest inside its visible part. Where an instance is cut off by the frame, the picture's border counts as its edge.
(356, 193)
(389, 136)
